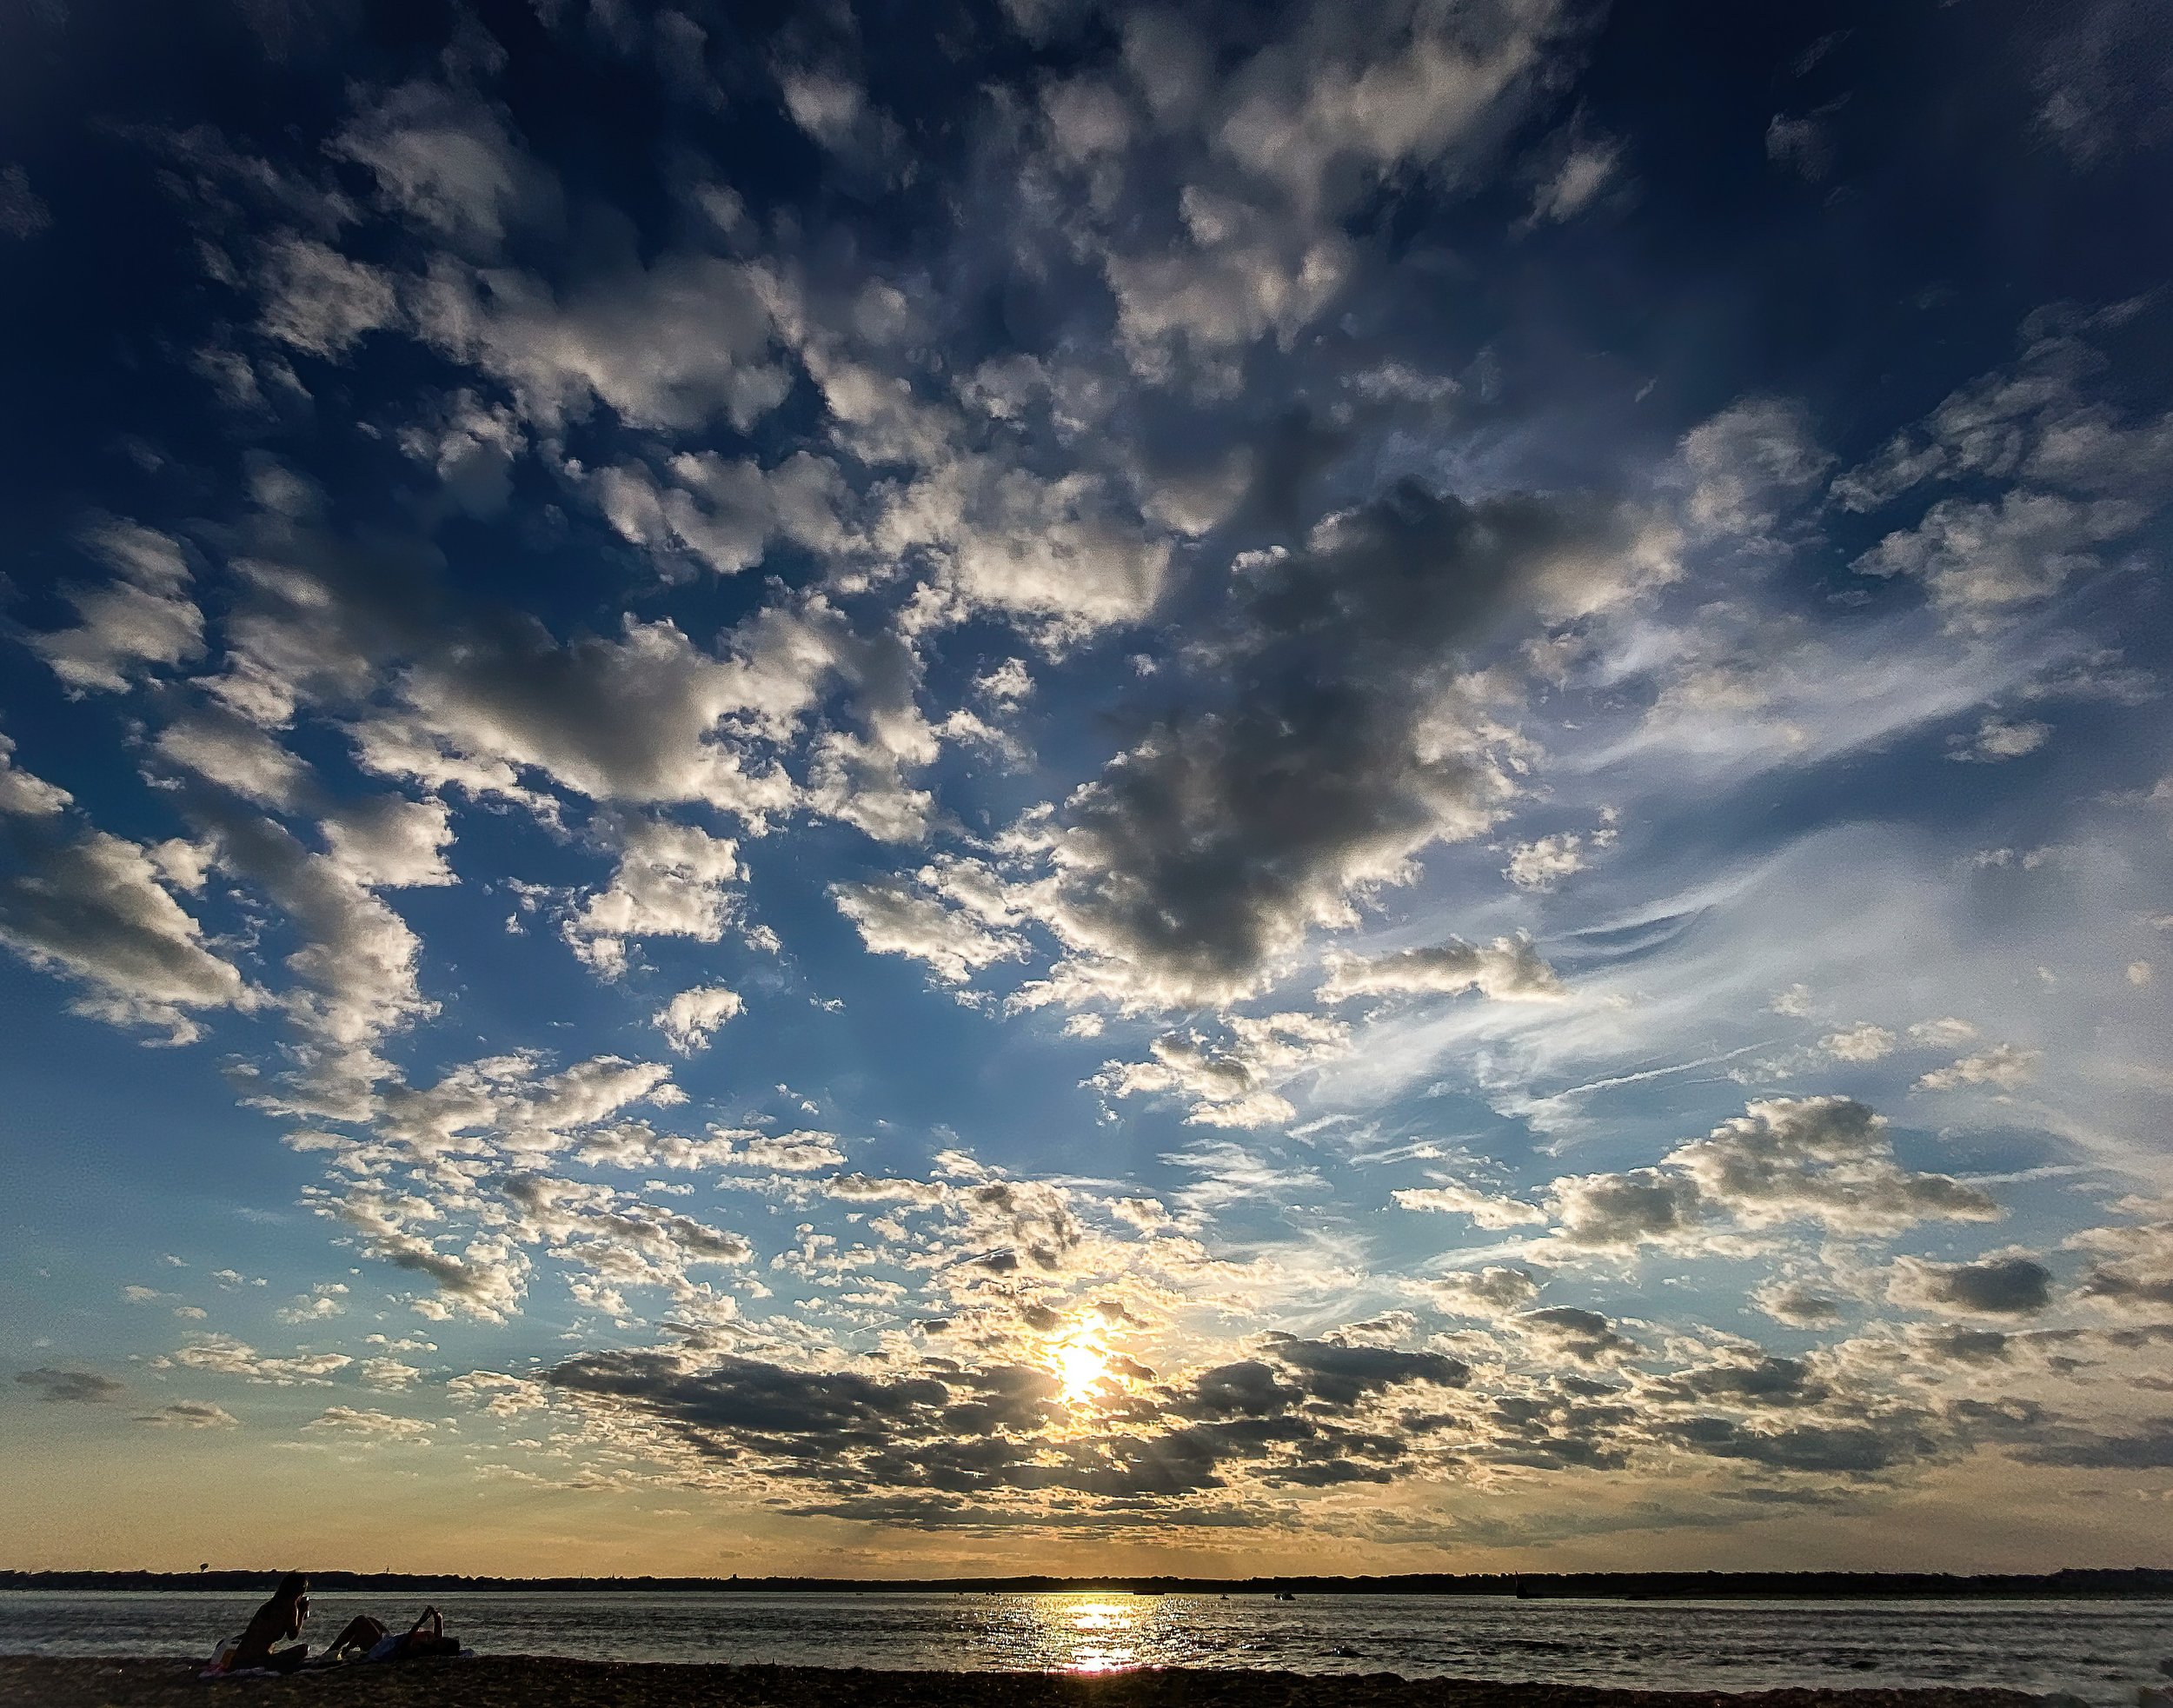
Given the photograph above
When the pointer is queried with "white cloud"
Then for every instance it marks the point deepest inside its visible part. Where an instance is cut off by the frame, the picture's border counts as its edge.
(1486, 1209)
(1862, 1042)
(1997, 739)
(1821, 1160)
(24, 795)
(1748, 466)
(692, 1017)
(672, 880)
(363, 1424)
(1978, 559)
(224, 1355)
(1508, 970)
(1233, 1083)
(446, 161)
(1585, 170)
(142, 617)
(1545, 863)
(892, 920)
(673, 345)
(235, 755)
(2004, 1067)
(318, 301)
(95, 910)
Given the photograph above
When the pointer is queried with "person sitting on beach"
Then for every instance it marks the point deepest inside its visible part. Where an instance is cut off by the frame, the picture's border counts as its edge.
(424, 1637)
(279, 1619)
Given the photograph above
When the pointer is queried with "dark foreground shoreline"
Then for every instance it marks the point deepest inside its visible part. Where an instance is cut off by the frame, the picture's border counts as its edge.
(2138, 1582)
(528, 1681)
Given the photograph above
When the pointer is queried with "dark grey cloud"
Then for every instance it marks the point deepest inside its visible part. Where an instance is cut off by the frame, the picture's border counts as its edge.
(80, 1387)
(1204, 853)
(1341, 1375)
(1584, 1336)
(1307, 1412)
(1997, 1287)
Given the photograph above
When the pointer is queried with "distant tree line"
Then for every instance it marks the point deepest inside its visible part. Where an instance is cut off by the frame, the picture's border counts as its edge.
(2145, 1582)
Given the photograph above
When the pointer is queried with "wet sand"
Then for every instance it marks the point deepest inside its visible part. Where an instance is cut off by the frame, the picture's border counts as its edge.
(527, 1681)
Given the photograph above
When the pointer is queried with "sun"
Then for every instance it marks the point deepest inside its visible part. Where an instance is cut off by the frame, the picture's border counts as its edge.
(1080, 1366)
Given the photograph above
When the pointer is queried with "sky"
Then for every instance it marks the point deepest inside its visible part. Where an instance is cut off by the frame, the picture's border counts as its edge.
(1051, 784)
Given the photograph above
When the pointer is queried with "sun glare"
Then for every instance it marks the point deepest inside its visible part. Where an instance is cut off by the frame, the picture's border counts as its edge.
(1080, 1366)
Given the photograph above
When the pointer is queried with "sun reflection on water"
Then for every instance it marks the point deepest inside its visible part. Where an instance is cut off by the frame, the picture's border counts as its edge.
(1090, 1634)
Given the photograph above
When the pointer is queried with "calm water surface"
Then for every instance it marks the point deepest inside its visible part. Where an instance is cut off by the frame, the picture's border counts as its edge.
(2099, 1650)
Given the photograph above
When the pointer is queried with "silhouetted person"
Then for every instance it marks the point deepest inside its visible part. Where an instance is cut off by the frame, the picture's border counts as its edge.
(425, 1637)
(279, 1620)
(357, 1637)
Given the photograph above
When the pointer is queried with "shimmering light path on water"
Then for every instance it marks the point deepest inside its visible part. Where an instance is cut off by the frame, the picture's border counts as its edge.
(2100, 1651)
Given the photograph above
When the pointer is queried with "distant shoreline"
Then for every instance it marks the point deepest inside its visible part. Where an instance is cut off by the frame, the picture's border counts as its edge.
(2142, 1583)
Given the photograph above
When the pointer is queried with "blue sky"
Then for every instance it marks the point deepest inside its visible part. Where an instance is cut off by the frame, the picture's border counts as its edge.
(936, 787)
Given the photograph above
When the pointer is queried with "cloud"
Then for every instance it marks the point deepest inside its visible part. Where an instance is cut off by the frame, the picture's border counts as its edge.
(356, 972)
(224, 1355)
(386, 842)
(634, 720)
(927, 1446)
(22, 794)
(1508, 970)
(144, 617)
(23, 211)
(95, 910)
(892, 920)
(1748, 466)
(1997, 739)
(1862, 1042)
(2097, 79)
(1486, 1209)
(1233, 1083)
(676, 344)
(790, 1152)
(723, 513)
(235, 755)
(691, 1018)
(1494, 1292)
(1543, 864)
(190, 1414)
(1199, 859)
(1584, 1337)
(446, 161)
(1996, 1287)
(671, 882)
(1821, 1160)
(1978, 559)
(362, 1424)
(319, 301)
(1798, 1304)
(1803, 145)
(1586, 168)
(71, 1387)
(2004, 1067)
(2132, 1270)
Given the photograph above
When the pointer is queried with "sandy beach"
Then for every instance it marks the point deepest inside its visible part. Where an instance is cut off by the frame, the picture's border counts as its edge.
(527, 1681)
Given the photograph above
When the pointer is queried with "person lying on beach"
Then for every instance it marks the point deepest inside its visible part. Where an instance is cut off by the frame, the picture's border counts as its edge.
(424, 1637)
(358, 1637)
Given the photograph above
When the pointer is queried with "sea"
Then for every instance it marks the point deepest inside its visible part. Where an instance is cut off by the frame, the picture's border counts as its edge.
(2101, 1652)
